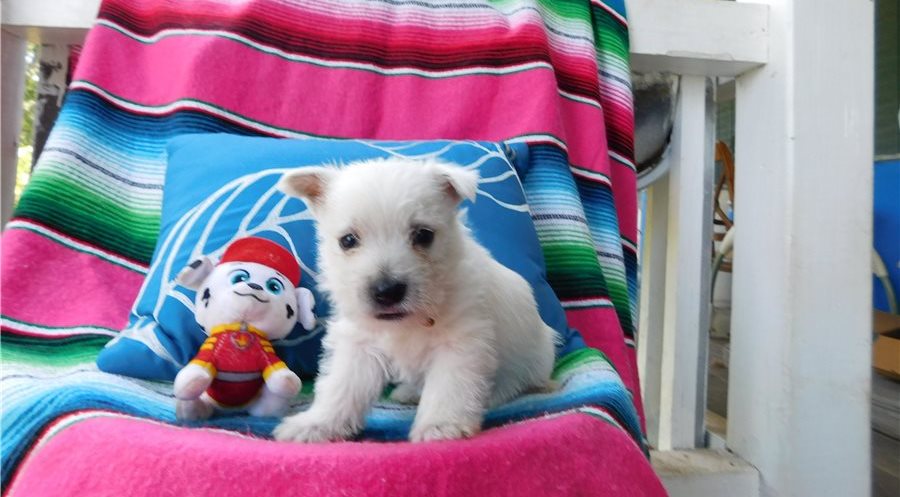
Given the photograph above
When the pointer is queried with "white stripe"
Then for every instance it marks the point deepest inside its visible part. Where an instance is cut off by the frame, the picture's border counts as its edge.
(401, 71)
(113, 176)
(61, 331)
(584, 410)
(575, 304)
(507, 205)
(600, 413)
(180, 297)
(499, 178)
(579, 98)
(145, 333)
(71, 419)
(186, 104)
(73, 243)
(602, 178)
(527, 139)
(284, 133)
(622, 159)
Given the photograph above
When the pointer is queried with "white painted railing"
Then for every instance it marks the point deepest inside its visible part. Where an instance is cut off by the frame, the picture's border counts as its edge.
(801, 297)
(800, 353)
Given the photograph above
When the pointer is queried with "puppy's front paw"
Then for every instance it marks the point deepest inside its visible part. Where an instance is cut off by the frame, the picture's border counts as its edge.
(306, 428)
(443, 431)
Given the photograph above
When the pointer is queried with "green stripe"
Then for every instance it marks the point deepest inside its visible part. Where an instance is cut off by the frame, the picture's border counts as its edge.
(63, 205)
(611, 37)
(66, 351)
(569, 10)
(55, 178)
(618, 293)
(573, 269)
(576, 359)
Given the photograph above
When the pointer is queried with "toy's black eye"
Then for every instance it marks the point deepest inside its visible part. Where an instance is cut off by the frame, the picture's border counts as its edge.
(238, 275)
(348, 241)
(274, 286)
(422, 237)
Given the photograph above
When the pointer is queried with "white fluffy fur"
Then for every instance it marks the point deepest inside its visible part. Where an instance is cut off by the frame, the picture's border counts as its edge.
(472, 336)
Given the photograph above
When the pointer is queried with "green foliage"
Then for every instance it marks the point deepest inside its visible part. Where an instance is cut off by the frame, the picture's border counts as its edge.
(23, 169)
(32, 77)
(26, 137)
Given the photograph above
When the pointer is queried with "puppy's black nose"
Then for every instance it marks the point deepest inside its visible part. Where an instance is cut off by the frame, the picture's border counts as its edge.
(388, 292)
(254, 286)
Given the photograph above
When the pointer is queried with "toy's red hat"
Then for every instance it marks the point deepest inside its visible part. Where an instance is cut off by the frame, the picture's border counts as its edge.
(265, 252)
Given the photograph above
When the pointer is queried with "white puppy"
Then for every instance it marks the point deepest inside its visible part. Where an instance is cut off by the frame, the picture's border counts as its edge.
(417, 302)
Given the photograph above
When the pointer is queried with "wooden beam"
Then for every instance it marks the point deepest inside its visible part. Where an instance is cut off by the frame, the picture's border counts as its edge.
(800, 369)
(60, 22)
(652, 303)
(687, 283)
(699, 37)
(73, 14)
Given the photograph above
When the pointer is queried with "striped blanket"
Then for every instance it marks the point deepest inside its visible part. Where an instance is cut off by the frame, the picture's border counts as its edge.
(552, 74)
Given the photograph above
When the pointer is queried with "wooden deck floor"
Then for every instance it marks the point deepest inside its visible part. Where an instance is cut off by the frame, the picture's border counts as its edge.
(885, 418)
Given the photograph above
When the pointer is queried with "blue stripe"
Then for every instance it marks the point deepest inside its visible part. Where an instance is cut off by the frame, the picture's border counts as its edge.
(31, 403)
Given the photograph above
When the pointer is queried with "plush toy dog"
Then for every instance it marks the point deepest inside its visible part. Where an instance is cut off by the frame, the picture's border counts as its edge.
(249, 298)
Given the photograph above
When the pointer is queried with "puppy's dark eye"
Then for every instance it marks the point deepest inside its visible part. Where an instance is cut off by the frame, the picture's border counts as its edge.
(348, 241)
(422, 237)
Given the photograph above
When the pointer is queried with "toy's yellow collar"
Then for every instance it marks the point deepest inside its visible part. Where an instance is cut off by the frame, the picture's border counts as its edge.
(223, 328)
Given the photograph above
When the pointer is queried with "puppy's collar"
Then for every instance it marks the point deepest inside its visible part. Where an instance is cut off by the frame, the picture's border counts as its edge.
(224, 328)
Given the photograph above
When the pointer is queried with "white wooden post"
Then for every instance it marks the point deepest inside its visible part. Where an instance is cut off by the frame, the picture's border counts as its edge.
(12, 72)
(801, 328)
(686, 323)
(653, 287)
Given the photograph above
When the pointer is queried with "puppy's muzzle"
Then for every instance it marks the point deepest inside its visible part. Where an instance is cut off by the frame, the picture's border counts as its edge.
(388, 292)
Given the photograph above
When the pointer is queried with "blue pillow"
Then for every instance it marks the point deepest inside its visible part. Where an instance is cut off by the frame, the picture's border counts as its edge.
(220, 187)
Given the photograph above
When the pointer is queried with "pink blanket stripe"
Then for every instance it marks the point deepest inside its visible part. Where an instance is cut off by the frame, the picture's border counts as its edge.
(78, 288)
(234, 83)
(527, 459)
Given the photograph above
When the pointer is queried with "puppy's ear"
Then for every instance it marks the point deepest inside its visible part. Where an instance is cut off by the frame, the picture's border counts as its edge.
(461, 184)
(308, 183)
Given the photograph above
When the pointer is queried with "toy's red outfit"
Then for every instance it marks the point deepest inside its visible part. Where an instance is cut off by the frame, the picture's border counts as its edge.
(239, 358)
